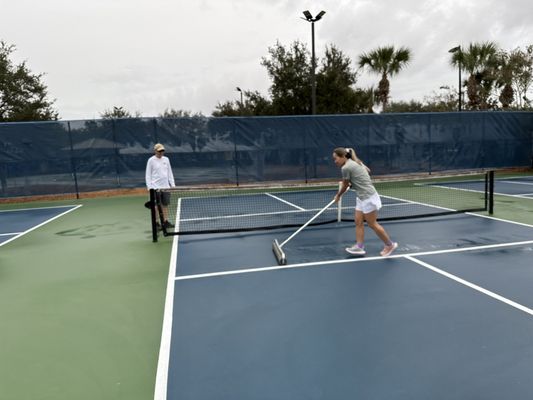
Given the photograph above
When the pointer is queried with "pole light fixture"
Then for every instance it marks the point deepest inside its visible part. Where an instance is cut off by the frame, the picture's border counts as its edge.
(240, 90)
(309, 18)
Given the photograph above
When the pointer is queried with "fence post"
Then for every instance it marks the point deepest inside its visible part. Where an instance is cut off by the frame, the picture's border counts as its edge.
(484, 117)
(306, 161)
(115, 148)
(155, 131)
(430, 145)
(72, 162)
(235, 154)
(531, 147)
(491, 192)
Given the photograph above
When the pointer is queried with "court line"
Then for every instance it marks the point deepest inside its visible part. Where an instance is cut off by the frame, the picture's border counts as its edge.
(41, 224)
(499, 219)
(459, 188)
(10, 234)
(517, 183)
(418, 203)
(36, 208)
(346, 261)
(472, 285)
(161, 380)
(520, 195)
(285, 201)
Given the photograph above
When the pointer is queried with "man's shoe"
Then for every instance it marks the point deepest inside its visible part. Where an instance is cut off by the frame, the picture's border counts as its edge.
(168, 225)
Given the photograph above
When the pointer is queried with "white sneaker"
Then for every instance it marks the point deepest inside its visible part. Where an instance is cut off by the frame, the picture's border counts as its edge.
(387, 250)
(355, 250)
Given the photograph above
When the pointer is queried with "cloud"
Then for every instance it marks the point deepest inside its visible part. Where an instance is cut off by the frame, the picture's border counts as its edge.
(150, 55)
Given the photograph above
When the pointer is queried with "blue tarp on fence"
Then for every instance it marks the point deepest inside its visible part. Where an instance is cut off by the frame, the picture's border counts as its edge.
(80, 156)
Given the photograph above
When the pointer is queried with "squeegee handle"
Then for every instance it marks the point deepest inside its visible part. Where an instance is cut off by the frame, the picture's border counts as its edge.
(307, 223)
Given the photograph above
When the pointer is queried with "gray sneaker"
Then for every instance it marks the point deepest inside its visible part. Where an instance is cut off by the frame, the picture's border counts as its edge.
(355, 250)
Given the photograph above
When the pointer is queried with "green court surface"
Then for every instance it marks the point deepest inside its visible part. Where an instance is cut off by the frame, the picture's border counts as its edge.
(81, 304)
(82, 301)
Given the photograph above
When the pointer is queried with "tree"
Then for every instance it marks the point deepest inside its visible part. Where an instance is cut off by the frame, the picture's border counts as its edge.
(119, 112)
(443, 101)
(254, 104)
(402, 106)
(23, 95)
(480, 61)
(335, 81)
(173, 113)
(522, 60)
(289, 69)
(228, 109)
(365, 100)
(291, 80)
(387, 62)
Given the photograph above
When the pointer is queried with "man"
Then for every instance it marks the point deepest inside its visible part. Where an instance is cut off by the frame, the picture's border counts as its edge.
(159, 176)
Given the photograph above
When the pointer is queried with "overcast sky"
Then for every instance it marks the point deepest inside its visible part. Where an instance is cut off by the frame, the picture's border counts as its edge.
(149, 55)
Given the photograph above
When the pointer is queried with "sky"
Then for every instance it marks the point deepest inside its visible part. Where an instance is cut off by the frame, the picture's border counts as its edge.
(150, 55)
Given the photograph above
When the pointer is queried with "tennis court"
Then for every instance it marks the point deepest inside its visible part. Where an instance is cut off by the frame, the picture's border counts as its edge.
(448, 316)
(84, 313)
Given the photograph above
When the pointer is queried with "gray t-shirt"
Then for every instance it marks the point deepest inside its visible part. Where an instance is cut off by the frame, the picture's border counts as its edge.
(359, 178)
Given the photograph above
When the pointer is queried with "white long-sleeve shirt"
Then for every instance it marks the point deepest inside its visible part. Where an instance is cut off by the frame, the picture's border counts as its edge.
(159, 173)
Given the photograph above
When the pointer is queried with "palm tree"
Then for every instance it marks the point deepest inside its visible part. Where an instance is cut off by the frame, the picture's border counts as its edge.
(386, 61)
(480, 61)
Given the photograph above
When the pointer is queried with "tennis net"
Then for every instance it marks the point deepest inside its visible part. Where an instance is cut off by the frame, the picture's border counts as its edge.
(213, 210)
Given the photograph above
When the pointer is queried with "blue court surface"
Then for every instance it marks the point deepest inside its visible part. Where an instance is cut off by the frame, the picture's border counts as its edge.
(18, 222)
(448, 316)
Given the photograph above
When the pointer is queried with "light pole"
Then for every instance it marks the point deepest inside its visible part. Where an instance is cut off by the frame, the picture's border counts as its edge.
(310, 18)
(457, 50)
(239, 90)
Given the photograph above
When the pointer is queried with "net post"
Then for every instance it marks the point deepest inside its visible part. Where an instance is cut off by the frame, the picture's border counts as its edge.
(491, 192)
(339, 205)
(153, 215)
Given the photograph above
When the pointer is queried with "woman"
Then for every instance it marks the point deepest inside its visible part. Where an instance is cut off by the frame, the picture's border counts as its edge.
(355, 174)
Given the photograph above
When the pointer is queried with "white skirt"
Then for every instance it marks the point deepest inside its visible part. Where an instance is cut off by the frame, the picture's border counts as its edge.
(373, 203)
